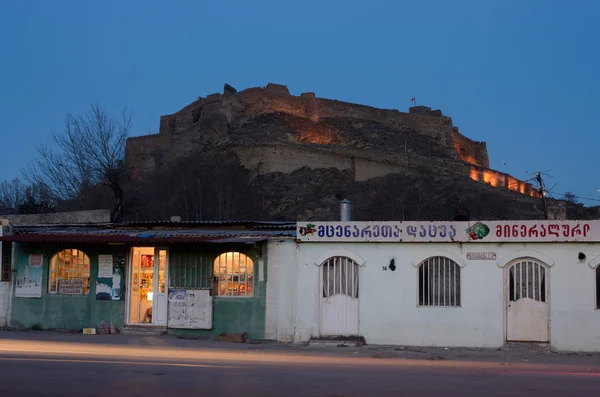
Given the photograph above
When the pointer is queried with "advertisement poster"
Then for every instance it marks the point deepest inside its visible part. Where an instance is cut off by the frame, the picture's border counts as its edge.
(177, 295)
(110, 288)
(29, 276)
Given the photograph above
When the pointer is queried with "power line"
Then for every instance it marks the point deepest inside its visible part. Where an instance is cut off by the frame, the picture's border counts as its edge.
(574, 196)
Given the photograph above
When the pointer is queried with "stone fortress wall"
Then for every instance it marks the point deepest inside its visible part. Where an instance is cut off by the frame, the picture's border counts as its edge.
(214, 114)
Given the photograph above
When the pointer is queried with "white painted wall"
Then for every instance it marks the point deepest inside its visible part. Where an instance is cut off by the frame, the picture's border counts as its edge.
(281, 290)
(388, 312)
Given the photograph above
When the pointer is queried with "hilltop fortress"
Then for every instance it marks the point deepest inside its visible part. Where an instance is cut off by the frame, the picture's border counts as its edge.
(272, 130)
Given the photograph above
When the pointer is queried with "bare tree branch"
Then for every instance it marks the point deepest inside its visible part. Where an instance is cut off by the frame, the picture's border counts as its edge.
(89, 151)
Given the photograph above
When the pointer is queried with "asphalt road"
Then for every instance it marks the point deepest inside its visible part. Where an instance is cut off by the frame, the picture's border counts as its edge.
(67, 368)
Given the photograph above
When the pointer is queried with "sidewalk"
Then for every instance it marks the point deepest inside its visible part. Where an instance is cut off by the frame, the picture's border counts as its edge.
(511, 354)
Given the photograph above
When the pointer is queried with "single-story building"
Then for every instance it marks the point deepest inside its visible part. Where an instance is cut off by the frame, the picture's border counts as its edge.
(467, 284)
(476, 284)
(202, 277)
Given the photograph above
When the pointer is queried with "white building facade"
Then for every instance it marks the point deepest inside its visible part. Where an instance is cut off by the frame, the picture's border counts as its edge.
(447, 284)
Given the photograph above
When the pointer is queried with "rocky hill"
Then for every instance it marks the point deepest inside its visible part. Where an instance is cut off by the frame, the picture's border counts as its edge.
(264, 153)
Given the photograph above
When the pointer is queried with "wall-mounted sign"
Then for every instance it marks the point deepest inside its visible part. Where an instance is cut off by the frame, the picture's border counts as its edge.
(481, 256)
(5, 257)
(70, 287)
(447, 232)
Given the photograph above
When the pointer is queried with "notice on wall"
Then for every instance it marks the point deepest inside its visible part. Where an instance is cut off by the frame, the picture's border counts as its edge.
(190, 309)
(29, 276)
(71, 286)
(105, 266)
(109, 284)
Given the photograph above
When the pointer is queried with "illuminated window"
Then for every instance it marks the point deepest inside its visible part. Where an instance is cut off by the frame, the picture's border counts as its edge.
(233, 275)
(70, 265)
(439, 282)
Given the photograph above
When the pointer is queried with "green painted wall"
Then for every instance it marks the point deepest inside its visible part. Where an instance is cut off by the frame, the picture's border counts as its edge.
(230, 315)
(63, 311)
(236, 315)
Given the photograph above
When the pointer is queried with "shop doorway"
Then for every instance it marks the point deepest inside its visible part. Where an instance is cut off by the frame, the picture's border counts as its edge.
(148, 295)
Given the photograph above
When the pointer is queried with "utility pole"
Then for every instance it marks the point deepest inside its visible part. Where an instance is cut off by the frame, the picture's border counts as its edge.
(538, 178)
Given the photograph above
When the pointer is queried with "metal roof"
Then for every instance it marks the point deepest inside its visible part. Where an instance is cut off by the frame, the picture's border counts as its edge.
(253, 224)
(147, 235)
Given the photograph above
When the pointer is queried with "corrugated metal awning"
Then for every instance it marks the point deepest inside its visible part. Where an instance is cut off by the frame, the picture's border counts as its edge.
(70, 238)
(139, 235)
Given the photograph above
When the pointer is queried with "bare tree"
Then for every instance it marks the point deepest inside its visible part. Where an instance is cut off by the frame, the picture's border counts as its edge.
(24, 198)
(12, 193)
(570, 197)
(89, 151)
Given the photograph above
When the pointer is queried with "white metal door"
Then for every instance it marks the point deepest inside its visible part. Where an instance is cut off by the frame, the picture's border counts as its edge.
(527, 309)
(160, 299)
(339, 297)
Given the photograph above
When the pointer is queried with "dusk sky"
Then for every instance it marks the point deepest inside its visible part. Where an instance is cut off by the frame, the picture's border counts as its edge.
(521, 75)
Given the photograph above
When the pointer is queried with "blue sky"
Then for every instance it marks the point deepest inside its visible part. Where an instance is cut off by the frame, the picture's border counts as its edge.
(522, 75)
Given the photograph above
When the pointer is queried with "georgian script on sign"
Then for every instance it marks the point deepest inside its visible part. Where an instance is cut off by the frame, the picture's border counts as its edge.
(71, 287)
(478, 231)
(481, 256)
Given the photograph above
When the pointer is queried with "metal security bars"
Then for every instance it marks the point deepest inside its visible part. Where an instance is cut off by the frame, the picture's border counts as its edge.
(340, 276)
(439, 282)
(527, 279)
(69, 264)
(190, 269)
(234, 275)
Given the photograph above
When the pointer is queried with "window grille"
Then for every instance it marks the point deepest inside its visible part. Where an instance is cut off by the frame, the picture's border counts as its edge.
(439, 282)
(340, 276)
(527, 279)
(233, 275)
(70, 264)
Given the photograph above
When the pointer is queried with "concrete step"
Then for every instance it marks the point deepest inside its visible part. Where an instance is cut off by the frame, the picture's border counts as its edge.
(143, 330)
(338, 341)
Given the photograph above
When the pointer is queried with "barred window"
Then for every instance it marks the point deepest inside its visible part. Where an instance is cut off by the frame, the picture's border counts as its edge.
(70, 264)
(439, 282)
(234, 275)
(340, 276)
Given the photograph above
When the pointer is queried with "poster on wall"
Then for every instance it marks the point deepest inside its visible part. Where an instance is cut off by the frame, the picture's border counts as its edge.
(29, 276)
(109, 285)
(105, 266)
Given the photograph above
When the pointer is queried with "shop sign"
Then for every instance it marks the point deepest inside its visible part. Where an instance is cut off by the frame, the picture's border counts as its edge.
(70, 287)
(463, 232)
